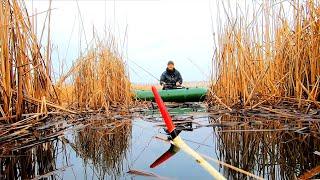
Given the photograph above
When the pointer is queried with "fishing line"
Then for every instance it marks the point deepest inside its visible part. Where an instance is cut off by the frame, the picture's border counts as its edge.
(149, 73)
(147, 144)
(135, 72)
(198, 67)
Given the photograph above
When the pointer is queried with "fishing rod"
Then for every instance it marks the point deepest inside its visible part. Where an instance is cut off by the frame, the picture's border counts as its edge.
(145, 70)
(178, 143)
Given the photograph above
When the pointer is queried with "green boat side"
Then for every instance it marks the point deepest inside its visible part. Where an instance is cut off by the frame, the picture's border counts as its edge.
(196, 94)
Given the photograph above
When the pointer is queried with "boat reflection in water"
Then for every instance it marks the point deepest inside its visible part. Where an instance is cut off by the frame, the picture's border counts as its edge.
(275, 151)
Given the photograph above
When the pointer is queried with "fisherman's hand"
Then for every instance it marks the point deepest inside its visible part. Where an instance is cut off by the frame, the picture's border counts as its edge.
(178, 84)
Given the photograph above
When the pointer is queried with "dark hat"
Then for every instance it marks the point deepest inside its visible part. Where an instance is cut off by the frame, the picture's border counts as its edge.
(170, 62)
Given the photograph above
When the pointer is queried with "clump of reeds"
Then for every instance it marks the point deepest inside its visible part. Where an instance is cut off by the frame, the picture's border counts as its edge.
(24, 71)
(100, 80)
(271, 57)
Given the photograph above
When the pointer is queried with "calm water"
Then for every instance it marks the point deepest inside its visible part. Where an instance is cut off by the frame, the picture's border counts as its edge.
(104, 151)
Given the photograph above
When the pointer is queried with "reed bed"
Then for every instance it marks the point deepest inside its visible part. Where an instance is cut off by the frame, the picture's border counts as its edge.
(100, 80)
(24, 70)
(30, 102)
(273, 57)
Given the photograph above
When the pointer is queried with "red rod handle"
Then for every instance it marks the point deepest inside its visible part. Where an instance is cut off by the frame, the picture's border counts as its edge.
(166, 117)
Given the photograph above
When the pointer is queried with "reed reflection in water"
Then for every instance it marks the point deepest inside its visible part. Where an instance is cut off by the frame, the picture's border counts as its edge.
(31, 163)
(275, 151)
(104, 144)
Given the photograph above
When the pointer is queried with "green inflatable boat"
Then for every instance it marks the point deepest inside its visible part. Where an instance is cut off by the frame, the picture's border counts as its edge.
(196, 94)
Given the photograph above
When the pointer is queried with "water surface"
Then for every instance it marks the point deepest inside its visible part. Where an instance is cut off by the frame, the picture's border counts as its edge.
(108, 149)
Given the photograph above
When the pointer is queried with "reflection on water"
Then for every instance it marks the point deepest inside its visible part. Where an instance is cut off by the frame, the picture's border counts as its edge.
(102, 145)
(275, 154)
(105, 144)
(108, 149)
(28, 164)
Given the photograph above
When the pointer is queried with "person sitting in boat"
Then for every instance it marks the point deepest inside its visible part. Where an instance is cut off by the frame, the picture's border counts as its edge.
(171, 78)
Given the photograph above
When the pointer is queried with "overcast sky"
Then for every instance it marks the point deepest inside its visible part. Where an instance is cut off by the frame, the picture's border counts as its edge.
(155, 31)
(148, 32)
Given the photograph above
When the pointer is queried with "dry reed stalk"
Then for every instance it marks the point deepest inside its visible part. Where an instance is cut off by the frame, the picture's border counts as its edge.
(23, 70)
(270, 55)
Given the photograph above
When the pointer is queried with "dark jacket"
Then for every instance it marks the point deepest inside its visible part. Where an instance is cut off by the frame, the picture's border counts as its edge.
(170, 77)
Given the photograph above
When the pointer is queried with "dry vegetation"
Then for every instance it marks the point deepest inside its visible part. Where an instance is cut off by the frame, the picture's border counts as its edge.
(25, 72)
(99, 81)
(275, 57)
(34, 109)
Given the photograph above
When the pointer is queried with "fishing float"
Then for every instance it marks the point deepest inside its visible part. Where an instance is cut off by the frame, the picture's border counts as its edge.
(178, 143)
